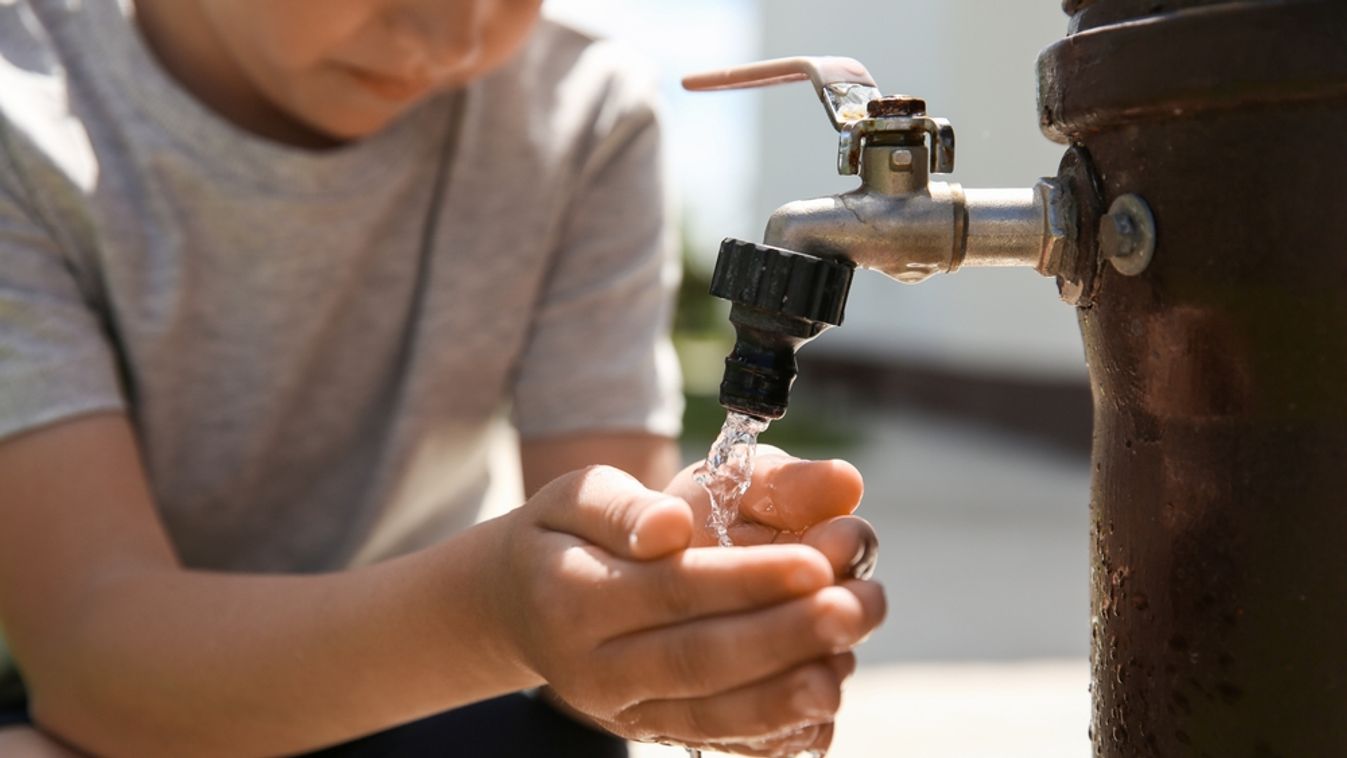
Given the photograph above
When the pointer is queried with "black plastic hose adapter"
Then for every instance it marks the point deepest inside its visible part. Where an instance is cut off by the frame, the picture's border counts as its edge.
(781, 300)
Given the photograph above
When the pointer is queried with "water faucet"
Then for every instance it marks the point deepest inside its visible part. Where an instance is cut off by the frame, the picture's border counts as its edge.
(897, 222)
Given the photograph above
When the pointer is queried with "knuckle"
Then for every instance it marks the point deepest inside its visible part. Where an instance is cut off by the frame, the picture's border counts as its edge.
(589, 483)
(571, 482)
(611, 490)
(599, 474)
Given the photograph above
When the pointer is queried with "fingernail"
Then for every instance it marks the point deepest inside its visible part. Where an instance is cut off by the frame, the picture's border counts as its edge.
(863, 564)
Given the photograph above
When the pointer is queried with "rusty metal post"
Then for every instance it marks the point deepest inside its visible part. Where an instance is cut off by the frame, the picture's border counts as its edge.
(1219, 503)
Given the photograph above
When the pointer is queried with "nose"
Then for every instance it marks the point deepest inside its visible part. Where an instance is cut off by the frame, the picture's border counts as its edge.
(442, 35)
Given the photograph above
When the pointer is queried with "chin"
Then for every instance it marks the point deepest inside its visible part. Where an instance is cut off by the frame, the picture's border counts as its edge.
(347, 126)
(347, 130)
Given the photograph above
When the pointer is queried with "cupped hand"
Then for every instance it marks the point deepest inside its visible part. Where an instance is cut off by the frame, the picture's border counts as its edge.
(654, 639)
(793, 500)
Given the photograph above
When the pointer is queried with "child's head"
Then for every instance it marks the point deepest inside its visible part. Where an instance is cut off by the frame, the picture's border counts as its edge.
(346, 68)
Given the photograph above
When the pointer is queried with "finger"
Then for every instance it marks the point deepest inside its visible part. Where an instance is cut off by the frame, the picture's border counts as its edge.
(843, 665)
(849, 542)
(792, 495)
(706, 656)
(816, 737)
(769, 710)
(703, 582)
(611, 509)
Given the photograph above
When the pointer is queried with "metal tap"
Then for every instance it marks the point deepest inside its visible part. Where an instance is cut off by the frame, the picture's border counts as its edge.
(898, 221)
(901, 223)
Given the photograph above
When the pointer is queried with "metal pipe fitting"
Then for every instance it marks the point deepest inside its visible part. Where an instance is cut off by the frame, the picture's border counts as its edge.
(938, 227)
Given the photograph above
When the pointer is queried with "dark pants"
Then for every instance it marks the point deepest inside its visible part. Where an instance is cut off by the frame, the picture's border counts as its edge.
(514, 726)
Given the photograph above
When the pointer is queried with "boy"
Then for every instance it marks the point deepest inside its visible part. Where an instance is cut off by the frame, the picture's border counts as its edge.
(267, 273)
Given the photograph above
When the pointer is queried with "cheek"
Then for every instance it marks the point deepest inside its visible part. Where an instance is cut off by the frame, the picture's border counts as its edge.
(286, 36)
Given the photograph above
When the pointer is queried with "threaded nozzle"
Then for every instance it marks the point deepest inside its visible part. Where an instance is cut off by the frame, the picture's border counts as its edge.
(780, 301)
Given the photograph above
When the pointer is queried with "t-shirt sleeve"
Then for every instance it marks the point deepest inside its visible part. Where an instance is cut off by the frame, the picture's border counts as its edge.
(599, 355)
(55, 360)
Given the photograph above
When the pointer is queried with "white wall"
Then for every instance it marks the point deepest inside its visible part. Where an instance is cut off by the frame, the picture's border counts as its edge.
(973, 62)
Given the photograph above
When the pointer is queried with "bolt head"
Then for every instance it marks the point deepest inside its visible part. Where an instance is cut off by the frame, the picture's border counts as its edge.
(1117, 236)
(1127, 235)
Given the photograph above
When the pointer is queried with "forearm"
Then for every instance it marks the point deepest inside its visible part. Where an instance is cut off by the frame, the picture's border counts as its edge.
(190, 663)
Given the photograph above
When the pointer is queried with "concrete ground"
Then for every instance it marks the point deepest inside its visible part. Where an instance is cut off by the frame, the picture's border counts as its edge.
(984, 558)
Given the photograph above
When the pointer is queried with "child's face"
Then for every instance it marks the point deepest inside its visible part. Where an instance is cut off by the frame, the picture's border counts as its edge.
(348, 67)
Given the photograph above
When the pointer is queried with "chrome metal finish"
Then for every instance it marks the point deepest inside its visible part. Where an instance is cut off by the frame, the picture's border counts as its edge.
(853, 137)
(908, 236)
(898, 221)
(894, 171)
(907, 227)
(1005, 227)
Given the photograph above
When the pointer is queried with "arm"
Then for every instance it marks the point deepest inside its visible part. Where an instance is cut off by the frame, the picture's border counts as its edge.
(127, 653)
(124, 651)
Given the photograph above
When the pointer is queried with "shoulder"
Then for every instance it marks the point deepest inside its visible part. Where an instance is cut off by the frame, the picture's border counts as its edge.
(575, 81)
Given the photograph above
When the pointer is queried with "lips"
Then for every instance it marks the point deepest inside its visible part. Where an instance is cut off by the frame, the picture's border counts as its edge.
(394, 88)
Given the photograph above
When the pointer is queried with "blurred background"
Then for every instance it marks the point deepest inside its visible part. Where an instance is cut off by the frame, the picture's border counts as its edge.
(962, 400)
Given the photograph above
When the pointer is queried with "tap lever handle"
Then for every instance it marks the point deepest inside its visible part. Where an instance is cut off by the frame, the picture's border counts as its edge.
(821, 70)
(843, 85)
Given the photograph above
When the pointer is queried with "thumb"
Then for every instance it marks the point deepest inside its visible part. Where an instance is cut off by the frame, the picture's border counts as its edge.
(609, 508)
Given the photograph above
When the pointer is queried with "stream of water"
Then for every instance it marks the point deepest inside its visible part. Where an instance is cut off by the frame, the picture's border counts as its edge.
(728, 471)
(726, 476)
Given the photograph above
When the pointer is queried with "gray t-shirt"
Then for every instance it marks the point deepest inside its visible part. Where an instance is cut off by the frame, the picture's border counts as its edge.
(313, 346)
